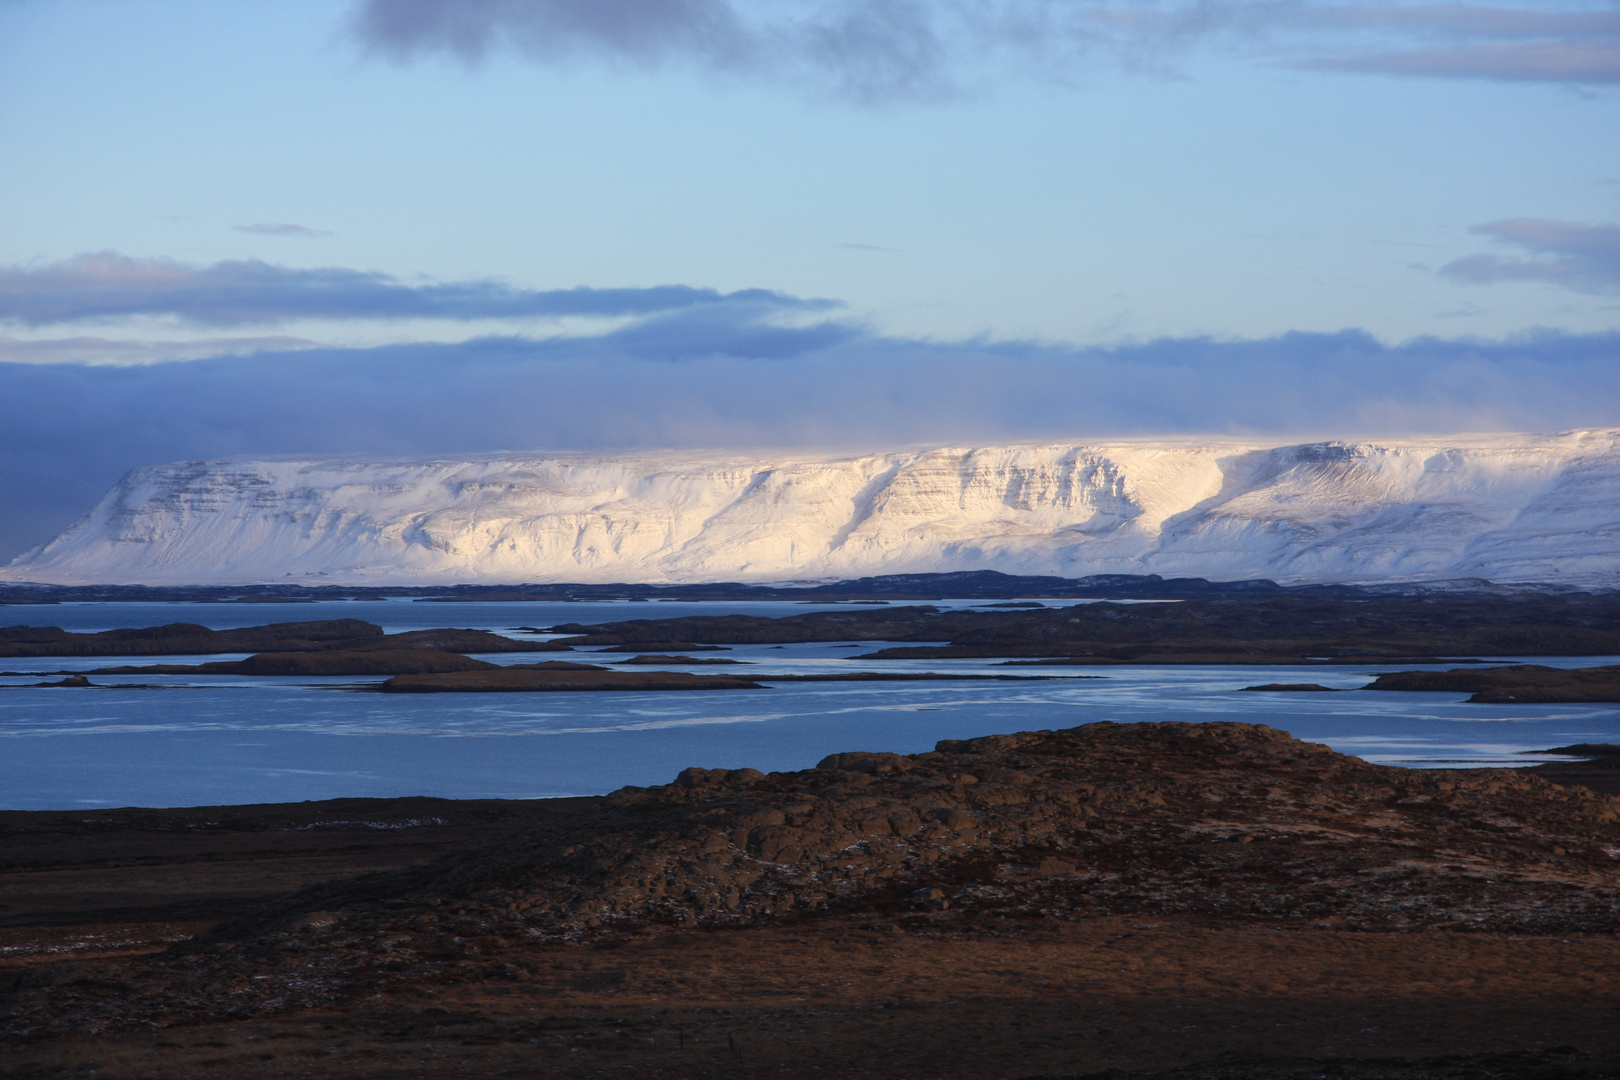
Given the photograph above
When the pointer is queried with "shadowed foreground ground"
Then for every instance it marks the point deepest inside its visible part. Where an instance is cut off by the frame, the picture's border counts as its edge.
(1141, 897)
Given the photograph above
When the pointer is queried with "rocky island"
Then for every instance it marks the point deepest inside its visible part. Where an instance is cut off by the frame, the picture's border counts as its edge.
(1515, 684)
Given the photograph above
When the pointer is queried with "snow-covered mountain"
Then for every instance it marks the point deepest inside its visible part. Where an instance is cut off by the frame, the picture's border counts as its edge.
(1512, 508)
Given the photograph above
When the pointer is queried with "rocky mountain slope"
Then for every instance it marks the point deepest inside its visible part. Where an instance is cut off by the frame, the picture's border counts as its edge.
(1511, 508)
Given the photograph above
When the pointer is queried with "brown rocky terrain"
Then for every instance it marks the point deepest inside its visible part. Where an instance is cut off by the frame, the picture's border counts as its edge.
(1041, 904)
(1516, 684)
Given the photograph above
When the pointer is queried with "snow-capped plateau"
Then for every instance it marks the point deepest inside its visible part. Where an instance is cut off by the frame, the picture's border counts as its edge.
(1511, 508)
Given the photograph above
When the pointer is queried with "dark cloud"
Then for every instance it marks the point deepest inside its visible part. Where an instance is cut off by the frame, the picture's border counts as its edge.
(111, 286)
(1581, 257)
(876, 50)
(865, 49)
(283, 229)
(722, 376)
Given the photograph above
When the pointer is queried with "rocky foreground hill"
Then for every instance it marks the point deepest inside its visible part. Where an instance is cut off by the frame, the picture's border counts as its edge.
(1236, 828)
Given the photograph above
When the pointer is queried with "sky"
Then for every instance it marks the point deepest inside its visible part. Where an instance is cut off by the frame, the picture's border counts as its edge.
(425, 227)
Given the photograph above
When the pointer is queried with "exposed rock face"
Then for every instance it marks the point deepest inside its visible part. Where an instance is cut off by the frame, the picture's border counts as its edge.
(1509, 508)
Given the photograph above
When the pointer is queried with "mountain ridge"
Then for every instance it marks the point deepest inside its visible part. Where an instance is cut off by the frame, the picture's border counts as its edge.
(1508, 508)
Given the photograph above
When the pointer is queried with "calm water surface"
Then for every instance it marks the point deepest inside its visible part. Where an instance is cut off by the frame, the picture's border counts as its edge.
(186, 741)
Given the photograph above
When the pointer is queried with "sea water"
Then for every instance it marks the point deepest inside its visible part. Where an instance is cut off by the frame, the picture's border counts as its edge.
(195, 741)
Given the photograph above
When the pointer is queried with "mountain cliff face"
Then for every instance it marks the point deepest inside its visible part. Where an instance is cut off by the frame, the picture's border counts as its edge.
(1506, 507)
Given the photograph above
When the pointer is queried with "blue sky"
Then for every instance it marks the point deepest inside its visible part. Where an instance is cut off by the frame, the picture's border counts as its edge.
(1026, 204)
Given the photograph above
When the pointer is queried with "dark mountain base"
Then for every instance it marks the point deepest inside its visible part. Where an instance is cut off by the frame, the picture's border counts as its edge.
(962, 585)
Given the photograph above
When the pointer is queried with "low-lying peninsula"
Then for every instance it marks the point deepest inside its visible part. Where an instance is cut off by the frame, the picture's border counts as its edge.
(1515, 684)
(1264, 629)
(190, 639)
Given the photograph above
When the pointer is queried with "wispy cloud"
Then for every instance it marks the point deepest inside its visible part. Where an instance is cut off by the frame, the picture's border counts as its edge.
(880, 50)
(96, 350)
(110, 286)
(1576, 256)
(283, 229)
